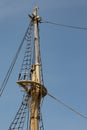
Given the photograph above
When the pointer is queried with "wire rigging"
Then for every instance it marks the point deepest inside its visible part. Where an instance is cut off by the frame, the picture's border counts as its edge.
(27, 120)
(18, 122)
(64, 25)
(4, 83)
(27, 60)
(67, 106)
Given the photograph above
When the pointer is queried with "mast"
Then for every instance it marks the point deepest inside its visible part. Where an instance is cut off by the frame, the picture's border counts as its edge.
(36, 19)
(35, 93)
(34, 87)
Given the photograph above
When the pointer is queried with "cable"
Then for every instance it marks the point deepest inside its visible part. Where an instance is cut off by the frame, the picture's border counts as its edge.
(26, 64)
(12, 64)
(67, 106)
(9, 71)
(64, 25)
(19, 120)
(28, 120)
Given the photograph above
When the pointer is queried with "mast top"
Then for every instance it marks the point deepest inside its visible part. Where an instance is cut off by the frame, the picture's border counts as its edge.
(35, 11)
(34, 17)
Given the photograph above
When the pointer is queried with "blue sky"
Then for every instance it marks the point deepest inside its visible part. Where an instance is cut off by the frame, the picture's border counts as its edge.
(64, 58)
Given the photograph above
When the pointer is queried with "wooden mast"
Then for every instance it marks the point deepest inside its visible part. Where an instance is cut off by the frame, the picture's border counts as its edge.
(35, 93)
(34, 87)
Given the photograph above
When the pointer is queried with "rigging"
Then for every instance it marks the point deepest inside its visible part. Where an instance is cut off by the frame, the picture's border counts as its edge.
(4, 83)
(65, 25)
(31, 79)
(67, 106)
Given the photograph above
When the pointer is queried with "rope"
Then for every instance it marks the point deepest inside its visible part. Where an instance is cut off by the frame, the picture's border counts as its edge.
(28, 121)
(26, 64)
(4, 83)
(41, 122)
(67, 106)
(18, 122)
(64, 25)
(41, 68)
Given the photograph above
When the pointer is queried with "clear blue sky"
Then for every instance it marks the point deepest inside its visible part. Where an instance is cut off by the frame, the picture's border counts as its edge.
(64, 58)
